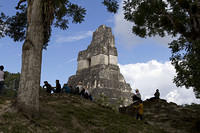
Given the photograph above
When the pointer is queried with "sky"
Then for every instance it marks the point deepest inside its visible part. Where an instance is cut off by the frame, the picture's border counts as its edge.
(144, 63)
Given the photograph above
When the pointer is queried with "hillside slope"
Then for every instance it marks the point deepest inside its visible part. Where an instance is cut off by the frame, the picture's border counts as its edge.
(69, 114)
(169, 116)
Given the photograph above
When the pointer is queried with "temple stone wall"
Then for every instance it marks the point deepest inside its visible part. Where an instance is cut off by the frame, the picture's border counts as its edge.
(113, 60)
(99, 71)
(83, 64)
(99, 59)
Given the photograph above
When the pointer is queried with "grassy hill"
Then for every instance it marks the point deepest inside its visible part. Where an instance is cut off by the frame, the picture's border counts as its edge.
(69, 114)
(169, 116)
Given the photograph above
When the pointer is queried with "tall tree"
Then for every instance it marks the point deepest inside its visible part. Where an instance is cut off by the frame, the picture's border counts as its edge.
(32, 23)
(177, 18)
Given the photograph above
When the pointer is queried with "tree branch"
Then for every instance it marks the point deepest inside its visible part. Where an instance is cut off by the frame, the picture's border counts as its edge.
(19, 3)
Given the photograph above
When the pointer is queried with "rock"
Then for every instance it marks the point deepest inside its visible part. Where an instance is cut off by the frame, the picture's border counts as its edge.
(99, 71)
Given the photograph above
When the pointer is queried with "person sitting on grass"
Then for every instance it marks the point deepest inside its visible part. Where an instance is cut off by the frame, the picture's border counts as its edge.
(79, 88)
(66, 88)
(157, 94)
(48, 87)
(88, 95)
(82, 93)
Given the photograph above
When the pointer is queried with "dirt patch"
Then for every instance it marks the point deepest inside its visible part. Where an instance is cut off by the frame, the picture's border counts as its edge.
(5, 107)
(76, 124)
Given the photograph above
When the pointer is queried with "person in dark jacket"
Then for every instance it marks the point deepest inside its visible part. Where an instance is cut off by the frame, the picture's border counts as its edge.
(2, 78)
(58, 87)
(48, 87)
(157, 94)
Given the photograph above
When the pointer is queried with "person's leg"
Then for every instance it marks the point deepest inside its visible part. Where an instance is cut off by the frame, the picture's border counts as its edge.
(90, 97)
(141, 117)
(1, 86)
(137, 116)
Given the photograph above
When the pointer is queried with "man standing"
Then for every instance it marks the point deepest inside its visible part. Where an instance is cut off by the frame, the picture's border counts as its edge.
(2, 77)
(58, 87)
(139, 109)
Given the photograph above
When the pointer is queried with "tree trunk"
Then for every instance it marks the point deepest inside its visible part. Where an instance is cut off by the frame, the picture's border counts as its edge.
(28, 93)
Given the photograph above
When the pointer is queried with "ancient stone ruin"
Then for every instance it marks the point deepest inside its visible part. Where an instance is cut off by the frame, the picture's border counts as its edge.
(99, 71)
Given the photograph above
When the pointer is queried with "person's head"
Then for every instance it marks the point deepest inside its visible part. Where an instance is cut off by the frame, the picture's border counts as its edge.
(57, 81)
(157, 90)
(1, 67)
(45, 82)
(80, 83)
(136, 90)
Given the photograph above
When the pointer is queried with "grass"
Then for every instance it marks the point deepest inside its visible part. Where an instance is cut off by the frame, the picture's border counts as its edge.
(72, 114)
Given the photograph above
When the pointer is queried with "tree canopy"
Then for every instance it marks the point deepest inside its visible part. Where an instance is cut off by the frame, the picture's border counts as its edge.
(180, 18)
(3, 18)
(62, 11)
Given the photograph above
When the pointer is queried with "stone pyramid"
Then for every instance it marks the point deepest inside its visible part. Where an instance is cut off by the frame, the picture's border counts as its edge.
(99, 71)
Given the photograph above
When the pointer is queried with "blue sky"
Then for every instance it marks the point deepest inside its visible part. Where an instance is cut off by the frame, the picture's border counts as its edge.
(135, 55)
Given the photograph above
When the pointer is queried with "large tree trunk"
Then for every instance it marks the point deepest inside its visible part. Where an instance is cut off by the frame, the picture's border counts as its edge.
(28, 93)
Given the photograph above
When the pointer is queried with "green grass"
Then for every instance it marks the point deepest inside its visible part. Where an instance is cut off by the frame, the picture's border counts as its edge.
(73, 114)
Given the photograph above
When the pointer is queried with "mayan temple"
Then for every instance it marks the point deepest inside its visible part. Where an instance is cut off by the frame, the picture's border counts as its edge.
(99, 71)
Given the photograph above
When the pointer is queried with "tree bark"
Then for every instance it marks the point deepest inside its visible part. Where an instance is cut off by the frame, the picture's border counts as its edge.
(28, 93)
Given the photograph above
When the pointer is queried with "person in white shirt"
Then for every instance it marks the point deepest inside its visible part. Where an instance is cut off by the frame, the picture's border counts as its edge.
(136, 96)
(80, 87)
(2, 77)
(87, 94)
(138, 93)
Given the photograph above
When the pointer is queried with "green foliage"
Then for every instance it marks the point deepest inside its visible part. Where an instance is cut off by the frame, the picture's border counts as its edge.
(16, 25)
(112, 5)
(56, 12)
(175, 18)
(3, 18)
(12, 80)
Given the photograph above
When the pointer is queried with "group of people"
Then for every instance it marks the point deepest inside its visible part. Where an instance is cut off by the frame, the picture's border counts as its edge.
(83, 91)
(50, 89)
(138, 104)
(79, 89)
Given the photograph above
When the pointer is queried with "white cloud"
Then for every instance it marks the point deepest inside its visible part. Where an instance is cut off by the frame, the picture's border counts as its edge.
(71, 60)
(152, 75)
(123, 31)
(80, 36)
